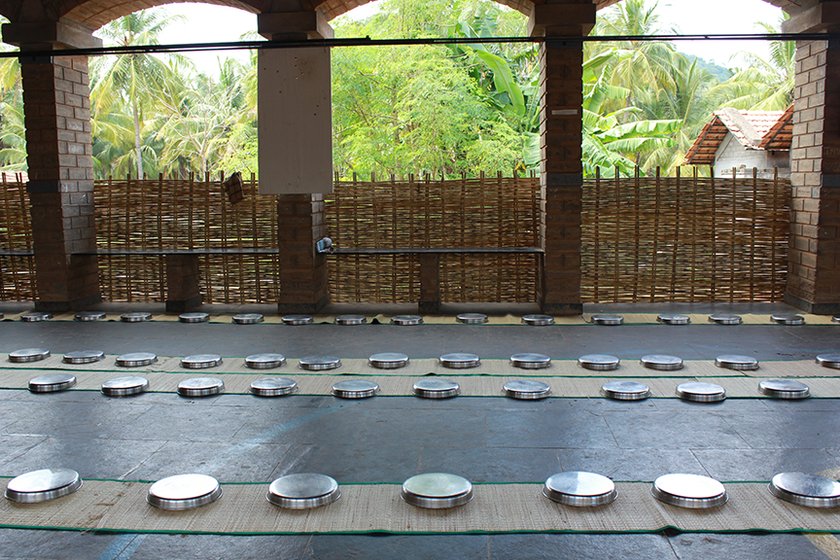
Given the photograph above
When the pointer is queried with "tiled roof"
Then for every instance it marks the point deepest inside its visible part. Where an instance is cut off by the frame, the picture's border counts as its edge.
(755, 130)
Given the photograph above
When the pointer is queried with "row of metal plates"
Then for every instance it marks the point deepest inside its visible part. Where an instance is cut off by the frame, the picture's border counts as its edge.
(433, 490)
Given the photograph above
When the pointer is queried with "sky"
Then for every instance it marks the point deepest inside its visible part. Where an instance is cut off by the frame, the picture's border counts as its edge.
(208, 23)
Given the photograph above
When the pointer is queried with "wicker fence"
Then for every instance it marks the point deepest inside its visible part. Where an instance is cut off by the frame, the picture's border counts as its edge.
(17, 267)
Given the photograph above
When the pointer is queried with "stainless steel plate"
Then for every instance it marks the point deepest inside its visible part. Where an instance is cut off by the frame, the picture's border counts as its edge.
(201, 361)
(388, 360)
(701, 392)
(35, 316)
(530, 361)
(689, 491)
(788, 389)
(355, 389)
(437, 491)
(26, 355)
(201, 387)
(194, 317)
(673, 319)
(787, 319)
(580, 489)
(625, 391)
(459, 360)
(136, 359)
(829, 360)
(526, 389)
(835, 319)
(662, 362)
(407, 320)
(125, 386)
(264, 361)
(90, 316)
(184, 491)
(538, 320)
(83, 357)
(607, 320)
(303, 491)
(350, 320)
(599, 362)
(472, 318)
(248, 318)
(42, 485)
(135, 317)
(273, 387)
(319, 363)
(297, 320)
(738, 363)
(436, 388)
(806, 490)
(52, 383)
(725, 319)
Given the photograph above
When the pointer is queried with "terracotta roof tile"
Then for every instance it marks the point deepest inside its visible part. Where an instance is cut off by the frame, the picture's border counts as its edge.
(750, 128)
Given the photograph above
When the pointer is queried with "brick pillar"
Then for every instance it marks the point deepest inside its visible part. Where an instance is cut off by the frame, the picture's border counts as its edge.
(561, 170)
(814, 256)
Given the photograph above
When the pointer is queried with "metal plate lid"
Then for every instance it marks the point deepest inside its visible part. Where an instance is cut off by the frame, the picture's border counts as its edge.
(319, 363)
(297, 319)
(350, 320)
(303, 491)
(273, 387)
(355, 389)
(829, 360)
(787, 319)
(580, 489)
(25, 355)
(264, 361)
(689, 491)
(472, 318)
(194, 317)
(35, 316)
(739, 363)
(407, 320)
(530, 361)
(135, 317)
(607, 320)
(184, 491)
(83, 357)
(459, 360)
(125, 386)
(673, 319)
(437, 490)
(806, 489)
(248, 318)
(436, 388)
(136, 359)
(42, 485)
(538, 320)
(784, 389)
(388, 360)
(835, 319)
(52, 383)
(200, 387)
(201, 361)
(662, 362)
(89, 316)
(701, 392)
(526, 389)
(599, 362)
(725, 319)
(625, 390)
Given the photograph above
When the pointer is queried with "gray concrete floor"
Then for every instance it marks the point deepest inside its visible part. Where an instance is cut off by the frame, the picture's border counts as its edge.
(240, 438)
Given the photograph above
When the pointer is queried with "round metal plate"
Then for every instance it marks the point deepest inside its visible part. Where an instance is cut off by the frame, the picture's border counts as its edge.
(472, 318)
(526, 389)
(26, 355)
(835, 319)
(787, 319)
(701, 392)
(806, 490)
(437, 490)
(625, 390)
(52, 383)
(350, 320)
(184, 491)
(35, 316)
(303, 491)
(738, 363)
(673, 319)
(42, 485)
(125, 386)
(248, 318)
(435, 388)
(355, 389)
(297, 320)
(407, 320)
(689, 491)
(264, 361)
(83, 357)
(89, 316)
(599, 362)
(788, 389)
(194, 317)
(273, 387)
(201, 361)
(580, 489)
(607, 320)
(530, 361)
(388, 360)
(136, 359)
(725, 319)
(662, 362)
(459, 360)
(201, 387)
(319, 363)
(829, 360)
(135, 317)
(538, 320)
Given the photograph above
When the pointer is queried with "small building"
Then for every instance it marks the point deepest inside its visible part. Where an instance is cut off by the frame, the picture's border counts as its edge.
(744, 140)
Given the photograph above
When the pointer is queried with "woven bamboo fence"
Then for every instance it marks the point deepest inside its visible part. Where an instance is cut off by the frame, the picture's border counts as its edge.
(488, 211)
(17, 271)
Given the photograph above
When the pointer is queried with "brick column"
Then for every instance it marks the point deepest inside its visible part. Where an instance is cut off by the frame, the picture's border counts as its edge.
(814, 256)
(58, 137)
(561, 170)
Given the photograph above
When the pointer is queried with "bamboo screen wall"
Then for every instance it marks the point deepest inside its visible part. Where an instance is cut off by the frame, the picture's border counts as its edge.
(17, 271)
